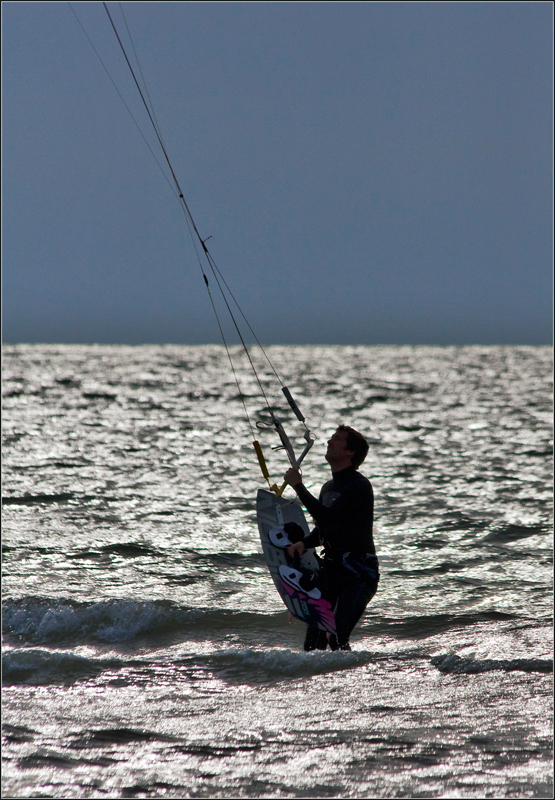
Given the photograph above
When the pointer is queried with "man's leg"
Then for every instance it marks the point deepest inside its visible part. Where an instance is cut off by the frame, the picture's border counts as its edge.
(315, 639)
(334, 645)
(351, 602)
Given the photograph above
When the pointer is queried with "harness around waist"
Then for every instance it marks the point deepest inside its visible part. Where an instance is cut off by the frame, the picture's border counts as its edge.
(365, 567)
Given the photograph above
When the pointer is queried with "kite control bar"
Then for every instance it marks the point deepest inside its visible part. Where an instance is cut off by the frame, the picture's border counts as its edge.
(285, 441)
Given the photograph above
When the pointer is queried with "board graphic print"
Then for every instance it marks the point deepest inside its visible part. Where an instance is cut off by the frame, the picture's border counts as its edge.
(309, 606)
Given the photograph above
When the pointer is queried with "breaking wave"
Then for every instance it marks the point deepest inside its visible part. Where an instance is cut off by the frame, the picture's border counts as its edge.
(456, 665)
(37, 620)
(252, 664)
(38, 666)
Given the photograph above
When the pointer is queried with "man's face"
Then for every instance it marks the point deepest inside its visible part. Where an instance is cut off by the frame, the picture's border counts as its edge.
(337, 448)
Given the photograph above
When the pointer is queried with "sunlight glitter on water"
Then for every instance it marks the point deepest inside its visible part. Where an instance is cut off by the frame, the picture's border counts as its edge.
(134, 587)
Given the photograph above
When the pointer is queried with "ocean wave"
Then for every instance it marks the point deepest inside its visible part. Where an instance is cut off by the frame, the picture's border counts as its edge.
(248, 665)
(37, 499)
(456, 665)
(123, 549)
(40, 620)
(512, 533)
(38, 666)
(422, 626)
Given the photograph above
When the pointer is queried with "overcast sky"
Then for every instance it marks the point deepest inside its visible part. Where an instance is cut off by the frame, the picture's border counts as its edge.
(370, 173)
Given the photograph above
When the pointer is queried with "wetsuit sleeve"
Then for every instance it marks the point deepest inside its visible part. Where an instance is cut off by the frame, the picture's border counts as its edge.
(313, 539)
(309, 501)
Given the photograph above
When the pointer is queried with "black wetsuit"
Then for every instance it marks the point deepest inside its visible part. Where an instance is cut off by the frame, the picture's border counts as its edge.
(344, 515)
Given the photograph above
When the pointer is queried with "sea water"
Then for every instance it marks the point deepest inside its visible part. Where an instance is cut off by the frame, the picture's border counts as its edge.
(146, 650)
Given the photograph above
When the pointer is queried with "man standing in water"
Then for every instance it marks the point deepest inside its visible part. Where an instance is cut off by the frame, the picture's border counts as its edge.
(344, 516)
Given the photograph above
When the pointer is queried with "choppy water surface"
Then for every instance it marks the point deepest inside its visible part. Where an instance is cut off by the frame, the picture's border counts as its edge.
(146, 651)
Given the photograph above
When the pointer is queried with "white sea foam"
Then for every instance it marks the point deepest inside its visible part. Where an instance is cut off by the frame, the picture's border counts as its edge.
(52, 620)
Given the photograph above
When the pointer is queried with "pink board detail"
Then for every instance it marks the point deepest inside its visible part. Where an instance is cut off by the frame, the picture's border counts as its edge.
(322, 606)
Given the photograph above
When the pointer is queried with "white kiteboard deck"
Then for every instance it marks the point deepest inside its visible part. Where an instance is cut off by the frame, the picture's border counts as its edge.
(308, 605)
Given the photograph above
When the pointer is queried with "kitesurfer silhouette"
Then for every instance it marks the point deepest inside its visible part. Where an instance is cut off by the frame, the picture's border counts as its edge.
(344, 516)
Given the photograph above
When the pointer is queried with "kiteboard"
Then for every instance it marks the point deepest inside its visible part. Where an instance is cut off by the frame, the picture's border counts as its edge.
(296, 579)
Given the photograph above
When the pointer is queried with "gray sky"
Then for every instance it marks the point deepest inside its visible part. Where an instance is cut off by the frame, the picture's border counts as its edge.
(370, 173)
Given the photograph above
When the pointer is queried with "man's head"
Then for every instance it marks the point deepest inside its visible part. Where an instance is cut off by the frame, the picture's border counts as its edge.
(346, 448)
